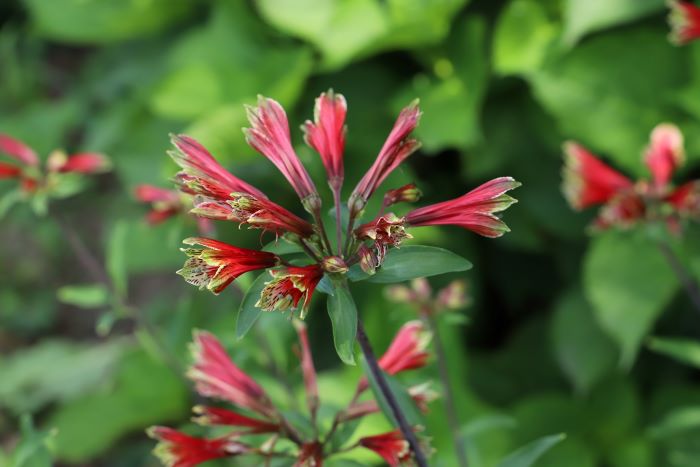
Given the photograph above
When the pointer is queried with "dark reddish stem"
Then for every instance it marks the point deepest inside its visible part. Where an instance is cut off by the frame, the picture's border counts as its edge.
(378, 376)
(690, 285)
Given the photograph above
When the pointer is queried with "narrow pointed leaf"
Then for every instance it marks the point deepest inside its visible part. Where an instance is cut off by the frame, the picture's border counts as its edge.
(343, 314)
(527, 455)
(412, 261)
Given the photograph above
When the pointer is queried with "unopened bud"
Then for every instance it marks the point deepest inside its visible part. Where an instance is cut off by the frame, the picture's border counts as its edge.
(334, 264)
(454, 296)
(422, 289)
(406, 194)
(399, 294)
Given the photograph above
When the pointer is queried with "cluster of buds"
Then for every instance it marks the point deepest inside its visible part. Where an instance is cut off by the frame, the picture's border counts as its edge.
(61, 176)
(219, 195)
(684, 19)
(420, 296)
(590, 182)
(165, 204)
(253, 414)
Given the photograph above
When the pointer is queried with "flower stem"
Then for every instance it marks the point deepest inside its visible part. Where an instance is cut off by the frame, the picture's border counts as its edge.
(690, 285)
(338, 220)
(447, 388)
(399, 416)
(322, 231)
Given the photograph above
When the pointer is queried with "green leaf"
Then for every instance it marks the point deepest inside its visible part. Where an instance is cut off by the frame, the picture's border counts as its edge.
(412, 261)
(585, 16)
(678, 421)
(104, 21)
(84, 296)
(33, 449)
(401, 395)
(584, 352)
(343, 314)
(55, 371)
(117, 250)
(527, 455)
(283, 247)
(524, 34)
(248, 313)
(684, 350)
(629, 283)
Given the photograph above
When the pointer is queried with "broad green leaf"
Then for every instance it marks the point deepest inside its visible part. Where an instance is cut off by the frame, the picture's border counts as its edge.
(344, 31)
(401, 395)
(412, 261)
(585, 16)
(104, 21)
(678, 421)
(523, 37)
(343, 314)
(325, 285)
(629, 283)
(198, 89)
(283, 247)
(84, 296)
(55, 371)
(584, 352)
(145, 393)
(248, 313)
(527, 455)
(34, 446)
(117, 251)
(684, 350)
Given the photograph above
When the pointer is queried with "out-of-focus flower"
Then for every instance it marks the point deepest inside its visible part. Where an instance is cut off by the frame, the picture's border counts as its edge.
(590, 182)
(391, 446)
(684, 19)
(216, 375)
(405, 194)
(84, 163)
(166, 204)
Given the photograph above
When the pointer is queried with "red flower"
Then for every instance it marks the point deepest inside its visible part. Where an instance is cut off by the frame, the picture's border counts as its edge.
(406, 194)
(474, 211)
(203, 175)
(83, 163)
(264, 214)
(386, 230)
(165, 203)
(396, 149)
(219, 264)
(685, 22)
(176, 449)
(307, 368)
(391, 446)
(215, 375)
(327, 134)
(224, 417)
(664, 154)
(587, 180)
(9, 171)
(289, 286)
(269, 135)
(18, 150)
(686, 198)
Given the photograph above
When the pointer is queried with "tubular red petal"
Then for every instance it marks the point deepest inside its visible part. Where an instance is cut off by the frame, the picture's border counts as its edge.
(176, 449)
(684, 18)
(86, 163)
(665, 153)
(18, 150)
(686, 198)
(9, 171)
(153, 194)
(289, 286)
(326, 134)
(391, 446)
(224, 417)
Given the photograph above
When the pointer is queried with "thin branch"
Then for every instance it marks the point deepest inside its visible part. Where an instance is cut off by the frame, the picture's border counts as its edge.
(690, 285)
(399, 416)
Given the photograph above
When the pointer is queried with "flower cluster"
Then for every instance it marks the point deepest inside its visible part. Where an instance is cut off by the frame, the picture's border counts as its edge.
(166, 204)
(590, 182)
(61, 175)
(253, 412)
(420, 296)
(219, 195)
(685, 21)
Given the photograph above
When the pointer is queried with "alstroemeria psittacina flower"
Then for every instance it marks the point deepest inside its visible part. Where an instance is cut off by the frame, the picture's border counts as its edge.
(685, 21)
(166, 204)
(590, 182)
(216, 376)
(390, 446)
(219, 195)
(33, 178)
(420, 296)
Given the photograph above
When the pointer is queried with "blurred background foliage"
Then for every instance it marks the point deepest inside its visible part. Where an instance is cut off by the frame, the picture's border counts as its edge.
(558, 337)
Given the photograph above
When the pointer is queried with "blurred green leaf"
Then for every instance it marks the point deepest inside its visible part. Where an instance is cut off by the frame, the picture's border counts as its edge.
(103, 21)
(412, 261)
(33, 449)
(528, 454)
(144, 393)
(55, 371)
(343, 315)
(523, 36)
(629, 283)
(116, 257)
(678, 421)
(585, 353)
(344, 31)
(683, 350)
(582, 17)
(248, 313)
(84, 296)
